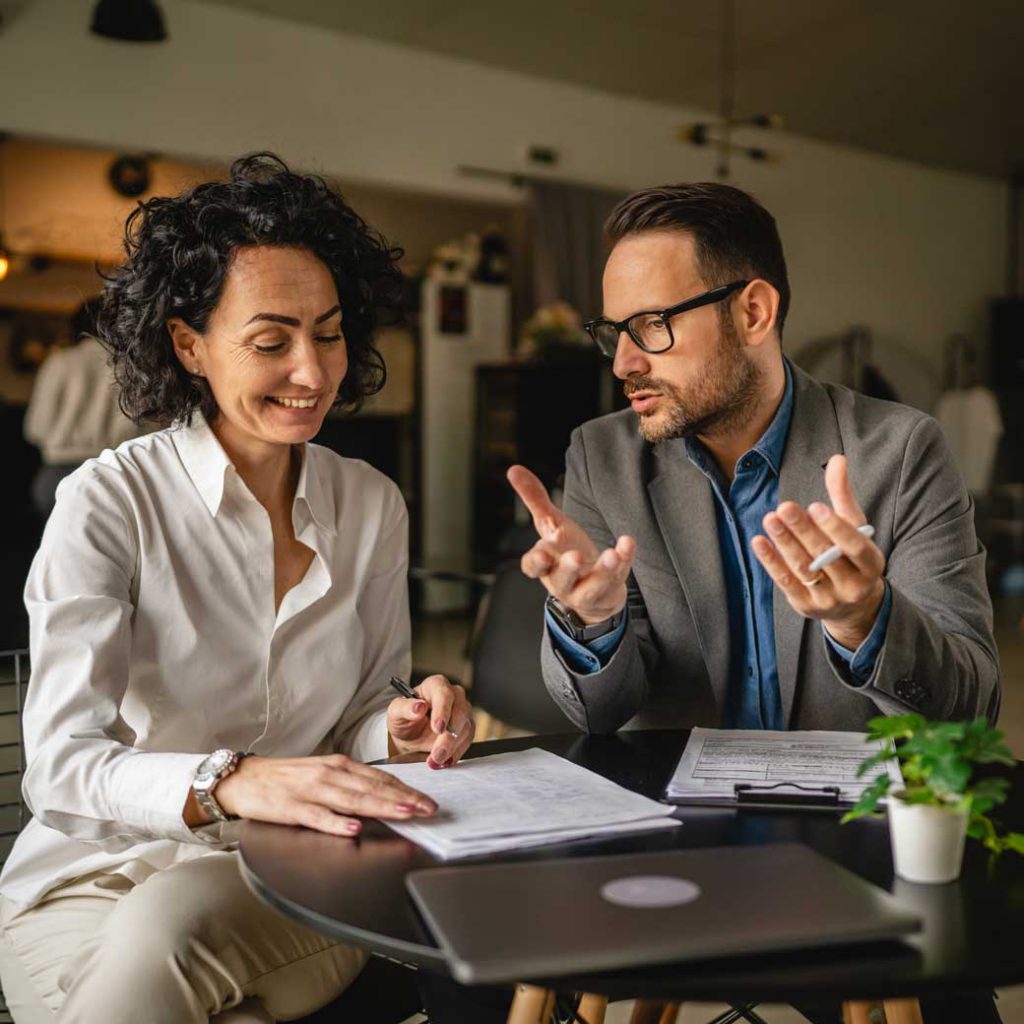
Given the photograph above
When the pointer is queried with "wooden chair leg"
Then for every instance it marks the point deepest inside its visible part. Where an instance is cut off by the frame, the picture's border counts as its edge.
(859, 1012)
(592, 1008)
(902, 1011)
(654, 1011)
(531, 1005)
(484, 724)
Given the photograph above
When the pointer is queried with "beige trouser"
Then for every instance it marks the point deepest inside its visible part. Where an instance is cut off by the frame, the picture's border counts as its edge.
(180, 947)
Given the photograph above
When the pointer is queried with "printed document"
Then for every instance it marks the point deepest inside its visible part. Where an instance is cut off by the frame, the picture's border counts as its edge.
(715, 760)
(520, 799)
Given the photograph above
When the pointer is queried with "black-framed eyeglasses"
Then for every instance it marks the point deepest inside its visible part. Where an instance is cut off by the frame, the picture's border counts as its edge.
(652, 329)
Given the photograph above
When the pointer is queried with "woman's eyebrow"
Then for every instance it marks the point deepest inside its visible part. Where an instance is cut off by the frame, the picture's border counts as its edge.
(291, 321)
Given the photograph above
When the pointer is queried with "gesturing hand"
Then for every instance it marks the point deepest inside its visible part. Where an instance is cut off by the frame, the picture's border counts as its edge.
(424, 724)
(322, 793)
(590, 582)
(845, 595)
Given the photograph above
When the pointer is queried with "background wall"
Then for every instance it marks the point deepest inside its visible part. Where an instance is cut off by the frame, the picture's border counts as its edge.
(913, 252)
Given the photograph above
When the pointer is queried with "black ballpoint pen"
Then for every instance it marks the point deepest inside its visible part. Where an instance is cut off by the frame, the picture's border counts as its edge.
(407, 691)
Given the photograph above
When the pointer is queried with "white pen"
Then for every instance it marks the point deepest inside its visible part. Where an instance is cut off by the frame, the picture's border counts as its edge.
(832, 554)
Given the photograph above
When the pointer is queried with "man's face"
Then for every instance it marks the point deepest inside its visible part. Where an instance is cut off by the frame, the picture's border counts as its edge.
(706, 383)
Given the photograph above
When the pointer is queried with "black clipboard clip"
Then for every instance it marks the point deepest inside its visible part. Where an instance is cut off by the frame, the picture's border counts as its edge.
(748, 793)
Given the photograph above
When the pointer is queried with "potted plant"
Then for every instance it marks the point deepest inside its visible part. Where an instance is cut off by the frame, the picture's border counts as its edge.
(941, 802)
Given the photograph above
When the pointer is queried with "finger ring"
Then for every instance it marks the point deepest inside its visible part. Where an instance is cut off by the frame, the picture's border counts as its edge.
(814, 580)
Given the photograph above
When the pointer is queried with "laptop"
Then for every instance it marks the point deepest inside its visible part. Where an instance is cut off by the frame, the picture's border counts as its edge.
(536, 919)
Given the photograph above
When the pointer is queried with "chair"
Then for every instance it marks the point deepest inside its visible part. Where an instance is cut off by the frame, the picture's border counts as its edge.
(506, 684)
(14, 671)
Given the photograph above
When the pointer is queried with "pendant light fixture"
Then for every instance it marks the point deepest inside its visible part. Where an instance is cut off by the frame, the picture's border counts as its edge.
(720, 133)
(130, 21)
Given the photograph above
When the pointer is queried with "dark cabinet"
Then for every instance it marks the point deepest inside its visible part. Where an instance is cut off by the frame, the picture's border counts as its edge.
(526, 412)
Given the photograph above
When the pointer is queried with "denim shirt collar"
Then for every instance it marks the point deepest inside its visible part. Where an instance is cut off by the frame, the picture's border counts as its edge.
(769, 447)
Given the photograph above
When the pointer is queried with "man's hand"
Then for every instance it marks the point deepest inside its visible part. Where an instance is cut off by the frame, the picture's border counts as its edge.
(846, 595)
(590, 582)
(424, 724)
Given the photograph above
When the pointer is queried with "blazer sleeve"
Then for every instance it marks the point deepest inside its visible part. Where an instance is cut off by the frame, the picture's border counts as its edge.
(939, 657)
(602, 701)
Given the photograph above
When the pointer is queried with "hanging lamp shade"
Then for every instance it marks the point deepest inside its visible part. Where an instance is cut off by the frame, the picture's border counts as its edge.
(131, 21)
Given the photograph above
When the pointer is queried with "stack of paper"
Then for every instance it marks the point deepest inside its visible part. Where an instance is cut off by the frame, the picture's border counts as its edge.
(512, 801)
(716, 760)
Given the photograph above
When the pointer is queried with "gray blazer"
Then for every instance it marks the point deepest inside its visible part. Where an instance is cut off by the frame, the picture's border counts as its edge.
(939, 656)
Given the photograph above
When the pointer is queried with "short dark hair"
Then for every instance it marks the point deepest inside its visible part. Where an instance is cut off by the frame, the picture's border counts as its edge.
(735, 236)
(179, 250)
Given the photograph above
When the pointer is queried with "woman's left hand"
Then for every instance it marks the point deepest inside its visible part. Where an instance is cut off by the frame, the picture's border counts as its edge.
(423, 723)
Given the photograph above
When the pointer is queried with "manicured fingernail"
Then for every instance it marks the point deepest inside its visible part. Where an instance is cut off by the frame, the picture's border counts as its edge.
(818, 512)
(791, 515)
(353, 826)
(448, 763)
(419, 707)
(431, 763)
(774, 526)
(440, 727)
(441, 755)
(407, 808)
(426, 808)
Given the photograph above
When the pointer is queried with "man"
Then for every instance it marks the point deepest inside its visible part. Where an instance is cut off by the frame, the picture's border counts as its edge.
(678, 570)
(667, 604)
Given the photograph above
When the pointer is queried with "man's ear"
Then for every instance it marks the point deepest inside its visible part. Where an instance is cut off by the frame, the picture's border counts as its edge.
(758, 310)
(185, 339)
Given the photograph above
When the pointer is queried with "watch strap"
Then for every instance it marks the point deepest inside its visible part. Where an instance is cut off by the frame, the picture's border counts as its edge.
(204, 789)
(576, 628)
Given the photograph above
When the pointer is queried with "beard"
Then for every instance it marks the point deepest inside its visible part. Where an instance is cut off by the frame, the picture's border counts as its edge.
(723, 399)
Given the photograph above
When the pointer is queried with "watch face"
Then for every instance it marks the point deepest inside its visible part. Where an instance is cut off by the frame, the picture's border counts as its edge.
(211, 765)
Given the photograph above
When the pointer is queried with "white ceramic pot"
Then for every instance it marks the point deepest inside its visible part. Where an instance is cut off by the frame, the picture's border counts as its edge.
(927, 841)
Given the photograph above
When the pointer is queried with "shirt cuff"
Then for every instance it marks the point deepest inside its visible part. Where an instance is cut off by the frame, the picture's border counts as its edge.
(861, 662)
(585, 659)
(371, 739)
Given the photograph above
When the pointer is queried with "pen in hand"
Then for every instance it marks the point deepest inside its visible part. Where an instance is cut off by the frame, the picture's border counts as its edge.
(407, 691)
(834, 553)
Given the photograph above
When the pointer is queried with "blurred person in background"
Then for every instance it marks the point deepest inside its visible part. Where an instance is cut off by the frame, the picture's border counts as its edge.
(215, 611)
(74, 413)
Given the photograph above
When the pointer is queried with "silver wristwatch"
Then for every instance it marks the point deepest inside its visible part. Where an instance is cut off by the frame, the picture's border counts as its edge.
(218, 765)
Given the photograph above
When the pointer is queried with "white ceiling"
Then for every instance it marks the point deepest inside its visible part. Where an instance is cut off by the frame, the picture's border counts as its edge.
(937, 81)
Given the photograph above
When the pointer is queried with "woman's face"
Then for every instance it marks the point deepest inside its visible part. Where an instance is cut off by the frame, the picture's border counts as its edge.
(273, 351)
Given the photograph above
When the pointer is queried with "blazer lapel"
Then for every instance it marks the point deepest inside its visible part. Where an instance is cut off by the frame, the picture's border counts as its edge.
(684, 507)
(813, 439)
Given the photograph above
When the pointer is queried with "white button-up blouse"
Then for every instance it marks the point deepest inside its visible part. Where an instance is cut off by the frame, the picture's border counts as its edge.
(154, 641)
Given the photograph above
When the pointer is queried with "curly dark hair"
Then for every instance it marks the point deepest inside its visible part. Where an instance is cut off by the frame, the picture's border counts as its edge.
(179, 250)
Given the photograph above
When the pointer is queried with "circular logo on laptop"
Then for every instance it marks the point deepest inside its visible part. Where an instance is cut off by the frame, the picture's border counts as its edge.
(650, 891)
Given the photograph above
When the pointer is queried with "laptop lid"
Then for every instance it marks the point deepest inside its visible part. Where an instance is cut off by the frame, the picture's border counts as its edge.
(535, 919)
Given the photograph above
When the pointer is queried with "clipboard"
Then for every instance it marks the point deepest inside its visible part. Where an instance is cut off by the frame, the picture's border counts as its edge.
(815, 770)
(789, 795)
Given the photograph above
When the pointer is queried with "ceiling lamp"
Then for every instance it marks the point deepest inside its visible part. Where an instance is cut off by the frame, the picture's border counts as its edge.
(5, 259)
(131, 21)
(719, 133)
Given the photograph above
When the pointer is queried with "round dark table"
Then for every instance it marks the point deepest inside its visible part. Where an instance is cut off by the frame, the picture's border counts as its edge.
(971, 938)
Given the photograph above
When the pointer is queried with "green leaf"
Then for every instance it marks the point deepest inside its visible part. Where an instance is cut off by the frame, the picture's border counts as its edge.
(868, 802)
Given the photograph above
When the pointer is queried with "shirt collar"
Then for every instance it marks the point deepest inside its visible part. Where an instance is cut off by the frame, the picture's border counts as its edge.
(204, 459)
(207, 464)
(311, 491)
(772, 442)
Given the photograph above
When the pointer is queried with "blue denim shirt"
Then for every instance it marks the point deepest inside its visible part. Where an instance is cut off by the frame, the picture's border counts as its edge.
(753, 700)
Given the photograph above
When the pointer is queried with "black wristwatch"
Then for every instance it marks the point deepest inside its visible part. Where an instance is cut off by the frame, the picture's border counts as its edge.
(575, 627)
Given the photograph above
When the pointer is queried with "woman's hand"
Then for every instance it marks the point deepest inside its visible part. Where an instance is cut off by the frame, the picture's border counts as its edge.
(423, 724)
(322, 793)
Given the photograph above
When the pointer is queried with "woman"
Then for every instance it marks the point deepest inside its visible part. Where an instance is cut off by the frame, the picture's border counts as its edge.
(215, 611)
